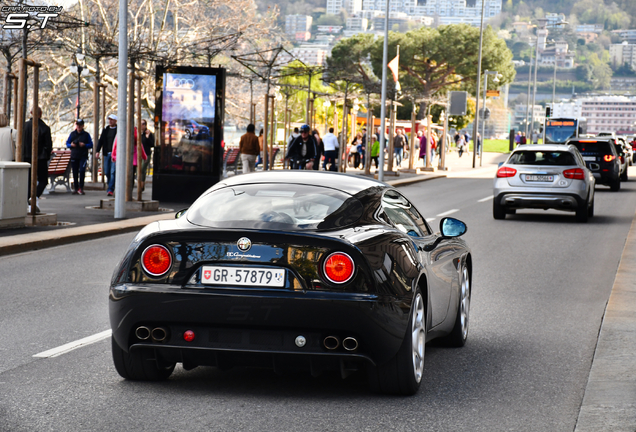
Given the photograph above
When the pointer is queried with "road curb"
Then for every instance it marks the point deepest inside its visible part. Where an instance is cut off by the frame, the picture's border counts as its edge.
(33, 241)
(416, 179)
(609, 403)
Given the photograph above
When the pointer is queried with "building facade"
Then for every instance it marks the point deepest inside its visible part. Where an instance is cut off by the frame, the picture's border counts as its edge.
(603, 113)
(623, 53)
(298, 27)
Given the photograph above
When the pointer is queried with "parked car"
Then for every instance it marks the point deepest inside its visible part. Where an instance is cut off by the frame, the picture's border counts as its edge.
(601, 158)
(551, 176)
(292, 269)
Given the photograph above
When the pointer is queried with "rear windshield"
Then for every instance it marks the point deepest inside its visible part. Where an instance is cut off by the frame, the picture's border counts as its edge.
(533, 157)
(601, 147)
(275, 206)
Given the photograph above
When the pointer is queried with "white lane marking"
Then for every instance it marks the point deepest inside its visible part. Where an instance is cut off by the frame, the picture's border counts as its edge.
(486, 199)
(430, 219)
(54, 352)
(448, 213)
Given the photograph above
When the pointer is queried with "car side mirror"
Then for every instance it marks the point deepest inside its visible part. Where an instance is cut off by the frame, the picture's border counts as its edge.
(451, 227)
(180, 213)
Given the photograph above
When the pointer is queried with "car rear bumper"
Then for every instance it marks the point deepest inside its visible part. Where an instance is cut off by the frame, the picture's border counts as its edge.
(566, 202)
(246, 327)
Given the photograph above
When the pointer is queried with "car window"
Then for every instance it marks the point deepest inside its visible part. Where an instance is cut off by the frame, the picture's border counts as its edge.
(276, 206)
(597, 147)
(403, 215)
(533, 157)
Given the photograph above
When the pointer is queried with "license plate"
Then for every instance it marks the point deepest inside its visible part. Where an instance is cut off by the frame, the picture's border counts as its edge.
(589, 158)
(240, 276)
(539, 178)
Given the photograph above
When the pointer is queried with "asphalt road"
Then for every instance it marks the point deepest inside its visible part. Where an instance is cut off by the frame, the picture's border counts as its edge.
(540, 286)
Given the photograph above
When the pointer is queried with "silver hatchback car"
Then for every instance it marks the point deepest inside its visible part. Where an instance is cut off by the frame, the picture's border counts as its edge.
(544, 177)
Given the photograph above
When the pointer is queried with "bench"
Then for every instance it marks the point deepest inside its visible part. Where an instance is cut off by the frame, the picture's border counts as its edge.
(231, 161)
(60, 169)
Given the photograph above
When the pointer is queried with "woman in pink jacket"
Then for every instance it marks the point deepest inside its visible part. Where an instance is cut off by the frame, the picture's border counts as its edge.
(144, 156)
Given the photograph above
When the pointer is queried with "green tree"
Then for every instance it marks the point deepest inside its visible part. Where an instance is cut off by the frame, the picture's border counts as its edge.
(433, 61)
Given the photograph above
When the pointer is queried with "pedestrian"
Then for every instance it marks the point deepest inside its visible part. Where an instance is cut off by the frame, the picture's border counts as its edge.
(523, 140)
(45, 147)
(461, 144)
(363, 147)
(302, 150)
(330, 143)
(478, 143)
(375, 151)
(456, 138)
(249, 149)
(423, 147)
(148, 143)
(354, 150)
(105, 146)
(320, 148)
(398, 147)
(518, 138)
(8, 140)
(434, 140)
(143, 153)
(79, 141)
(259, 159)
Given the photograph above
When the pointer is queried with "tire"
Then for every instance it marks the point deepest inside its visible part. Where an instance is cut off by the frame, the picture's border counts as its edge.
(615, 186)
(590, 210)
(402, 375)
(498, 211)
(624, 175)
(582, 212)
(511, 211)
(459, 335)
(140, 365)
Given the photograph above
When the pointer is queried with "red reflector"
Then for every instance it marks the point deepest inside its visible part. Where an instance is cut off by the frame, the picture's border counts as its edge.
(188, 336)
(339, 267)
(576, 174)
(609, 158)
(156, 260)
(504, 172)
(622, 159)
(605, 169)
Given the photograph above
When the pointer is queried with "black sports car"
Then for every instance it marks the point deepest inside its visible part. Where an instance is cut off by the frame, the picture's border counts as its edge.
(292, 269)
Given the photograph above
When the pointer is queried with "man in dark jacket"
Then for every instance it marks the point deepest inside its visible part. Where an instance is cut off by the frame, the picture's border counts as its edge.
(105, 145)
(148, 143)
(79, 141)
(45, 147)
(302, 148)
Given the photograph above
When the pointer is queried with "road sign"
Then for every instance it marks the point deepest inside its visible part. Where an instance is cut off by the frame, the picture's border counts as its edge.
(492, 93)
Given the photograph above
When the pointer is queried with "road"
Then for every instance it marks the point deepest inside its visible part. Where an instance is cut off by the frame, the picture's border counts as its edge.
(540, 286)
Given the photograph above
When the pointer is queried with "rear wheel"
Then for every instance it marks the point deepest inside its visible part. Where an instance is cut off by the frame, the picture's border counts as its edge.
(498, 211)
(141, 364)
(615, 185)
(402, 374)
(582, 212)
(590, 210)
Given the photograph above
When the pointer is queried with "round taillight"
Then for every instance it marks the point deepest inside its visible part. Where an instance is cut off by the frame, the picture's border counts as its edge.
(339, 268)
(156, 260)
(188, 336)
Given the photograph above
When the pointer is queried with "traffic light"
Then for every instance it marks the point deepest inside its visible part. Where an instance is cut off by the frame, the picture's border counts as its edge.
(547, 112)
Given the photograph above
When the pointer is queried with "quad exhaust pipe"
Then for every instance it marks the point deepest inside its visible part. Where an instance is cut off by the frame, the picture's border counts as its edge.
(142, 333)
(158, 334)
(333, 343)
(350, 344)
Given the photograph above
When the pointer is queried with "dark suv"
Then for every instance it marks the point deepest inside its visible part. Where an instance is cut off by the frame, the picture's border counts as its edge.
(601, 158)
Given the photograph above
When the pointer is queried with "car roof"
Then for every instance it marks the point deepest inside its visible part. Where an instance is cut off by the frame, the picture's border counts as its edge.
(545, 147)
(348, 183)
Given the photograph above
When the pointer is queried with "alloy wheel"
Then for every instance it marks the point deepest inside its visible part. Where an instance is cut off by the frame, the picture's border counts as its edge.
(418, 334)
(465, 302)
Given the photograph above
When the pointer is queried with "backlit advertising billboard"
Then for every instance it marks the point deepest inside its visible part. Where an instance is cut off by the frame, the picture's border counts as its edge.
(189, 119)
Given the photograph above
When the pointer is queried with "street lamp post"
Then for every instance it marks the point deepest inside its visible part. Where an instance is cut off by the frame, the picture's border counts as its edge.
(79, 67)
(483, 122)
